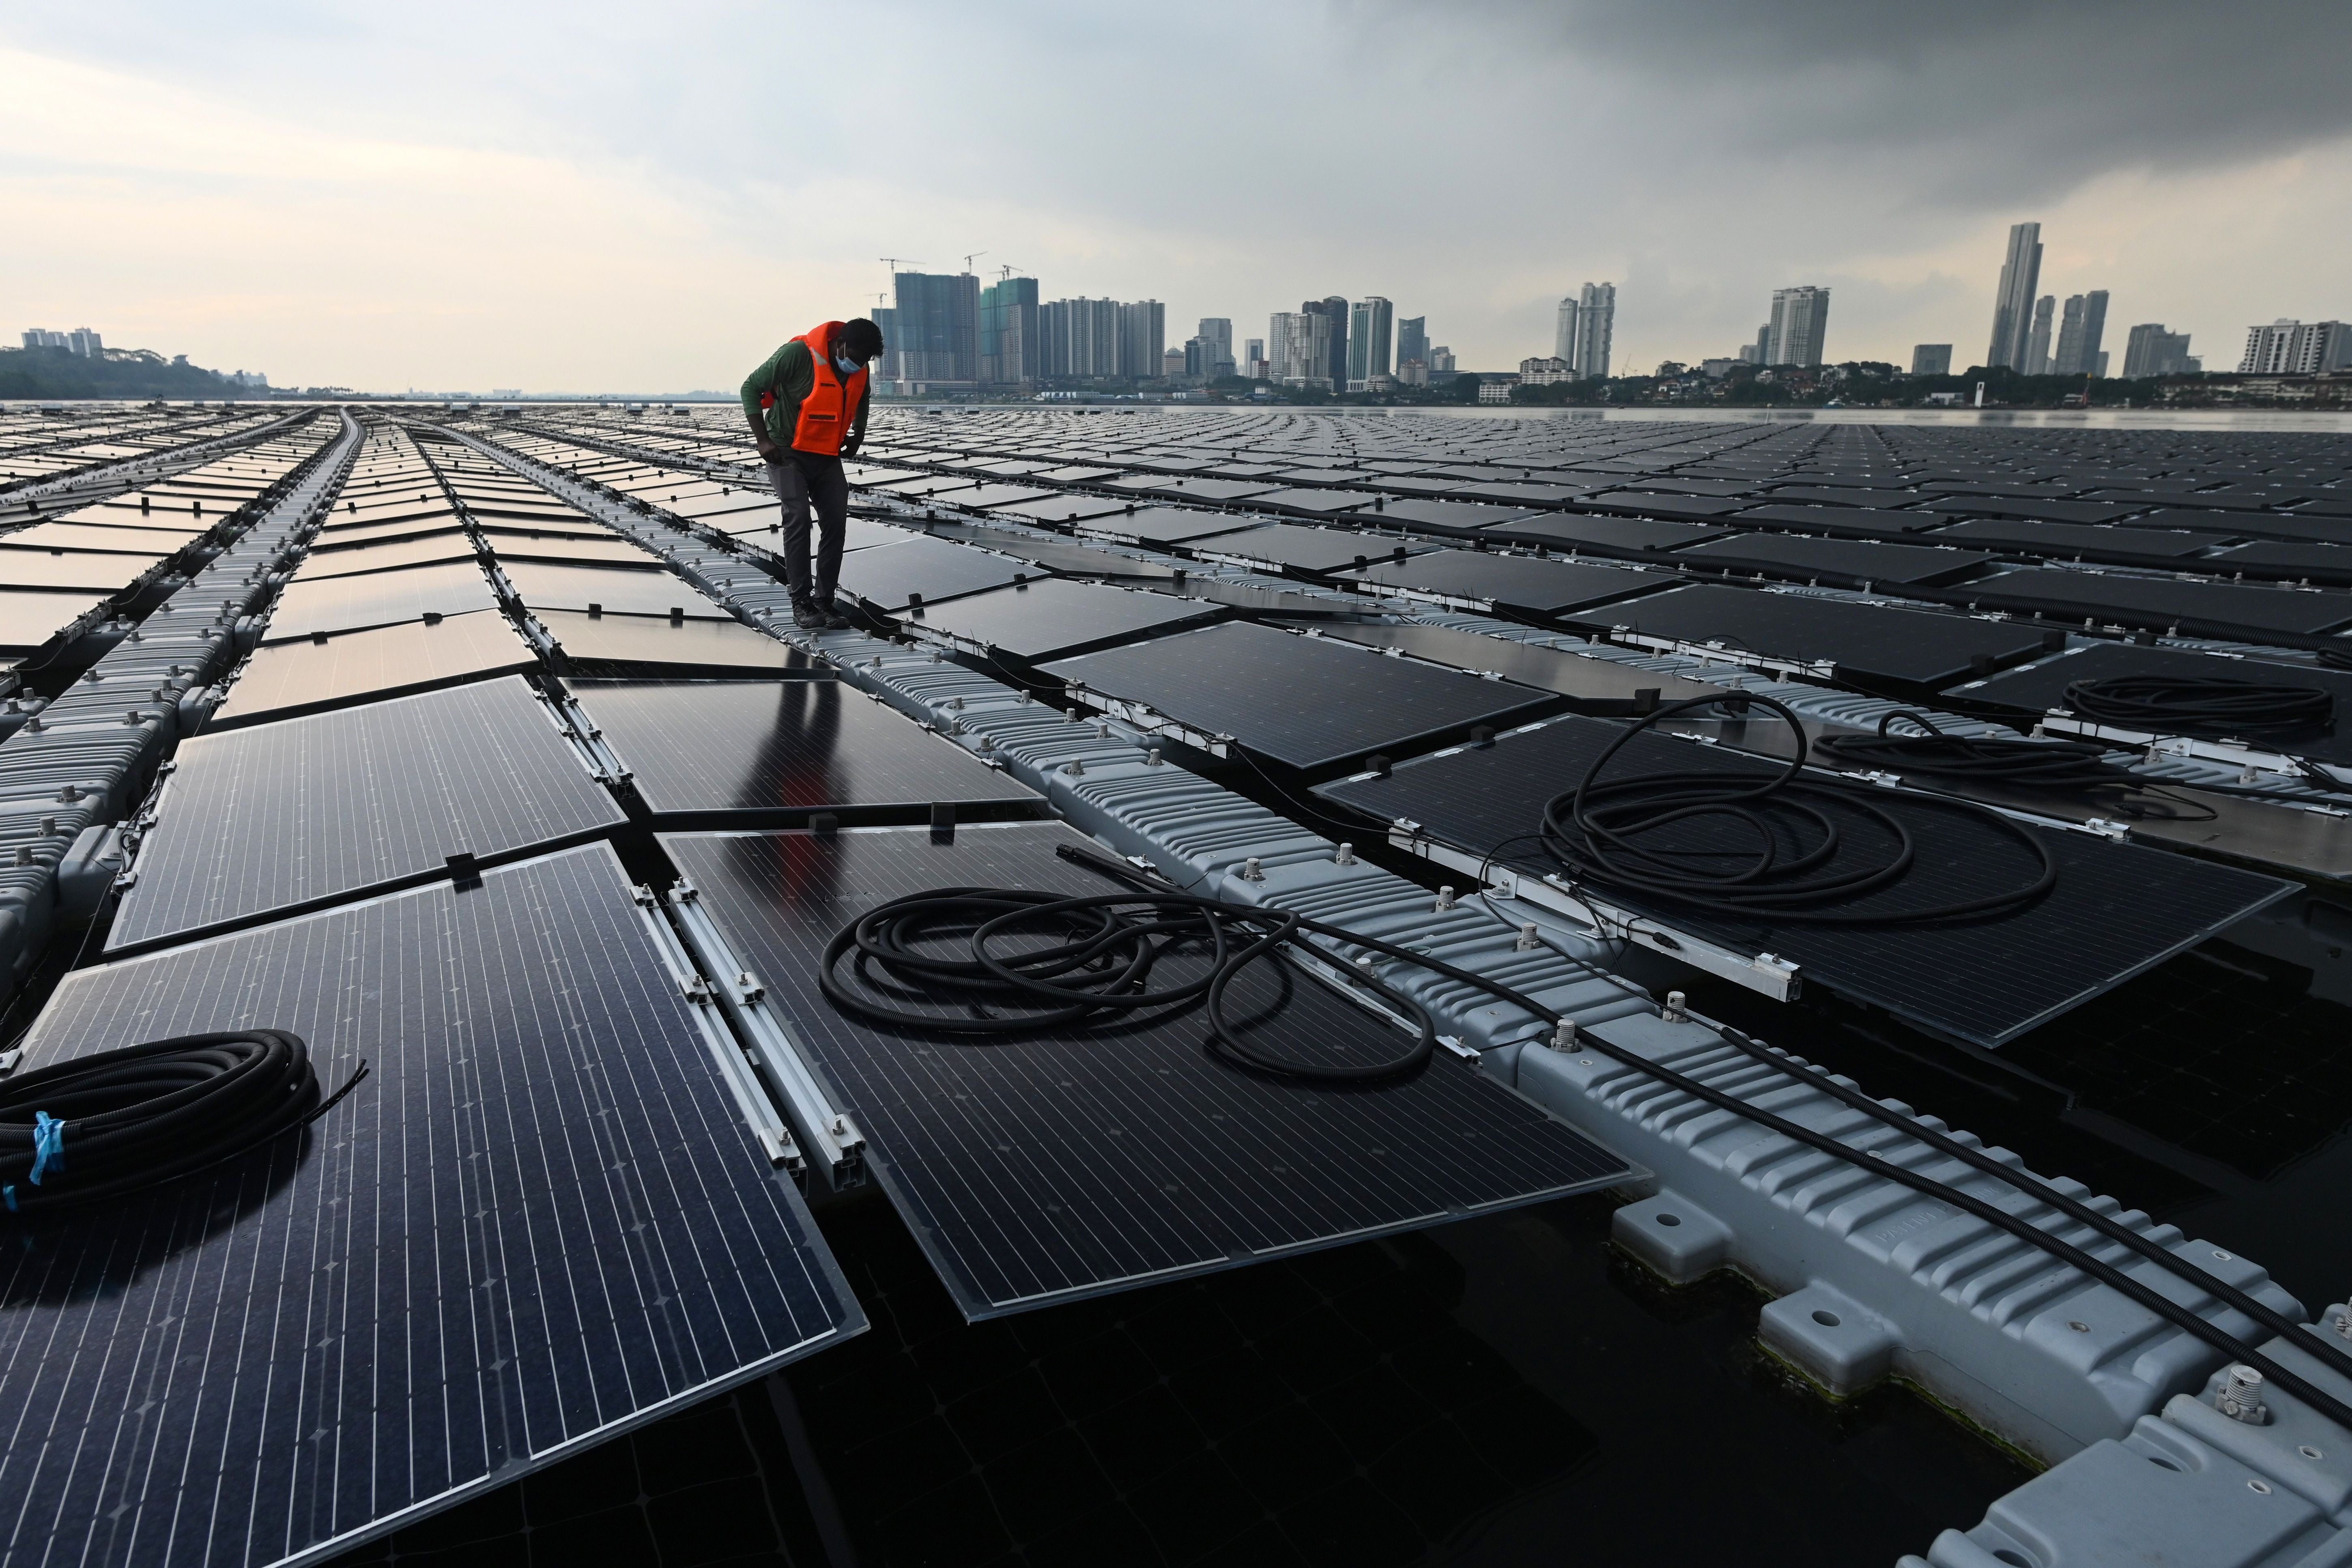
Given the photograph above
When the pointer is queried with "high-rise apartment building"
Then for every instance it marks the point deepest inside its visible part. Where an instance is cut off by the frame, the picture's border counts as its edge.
(1142, 339)
(1217, 332)
(1298, 347)
(1413, 340)
(2151, 350)
(1334, 310)
(2012, 304)
(1371, 329)
(1564, 332)
(1254, 363)
(1931, 359)
(1441, 362)
(887, 319)
(1008, 332)
(81, 341)
(1102, 340)
(1596, 329)
(2084, 323)
(938, 327)
(2289, 347)
(2037, 341)
(1800, 320)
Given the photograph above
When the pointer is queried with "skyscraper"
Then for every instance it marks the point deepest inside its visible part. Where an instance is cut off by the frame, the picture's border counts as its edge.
(2012, 305)
(1931, 359)
(1413, 339)
(1080, 338)
(1008, 332)
(2084, 323)
(1218, 333)
(1800, 320)
(1596, 326)
(2151, 350)
(2289, 347)
(1370, 324)
(887, 319)
(2037, 341)
(1143, 340)
(1299, 346)
(1564, 332)
(939, 327)
(1333, 309)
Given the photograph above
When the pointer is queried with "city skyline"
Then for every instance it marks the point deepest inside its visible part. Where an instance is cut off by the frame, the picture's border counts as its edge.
(351, 202)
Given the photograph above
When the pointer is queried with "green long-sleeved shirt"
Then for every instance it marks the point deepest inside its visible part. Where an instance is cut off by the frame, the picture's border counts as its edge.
(790, 374)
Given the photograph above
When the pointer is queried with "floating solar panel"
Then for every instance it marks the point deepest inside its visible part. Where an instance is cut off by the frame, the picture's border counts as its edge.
(1043, 1168)
(1303, 701)
(287, 679)
(1076, 560)
(1843, 562)
(539, 1221)
(917, 571)
(2250, 525)
(1515, 582)
(157, 543)
(2277, 561)
(774, 751)
(74, 571)
(2050, 511)
(1162, 526)
(2041, 687)
(1870, 642)
(988, 496)
(1595, 684)
(1638, 503)
(1066, 510)
(2079, 540)
(611, 590)
(1050, 617)
(1310, 501)
(2159, 602)
(2116, 910)
(1842, 521)
(1286, 544)
(309, 607)
(721, 510)
(1625, 538)
(1446, 516)
(259, 822)
(1207, 491)
(429, 550)
(29, 618)
(645, 645)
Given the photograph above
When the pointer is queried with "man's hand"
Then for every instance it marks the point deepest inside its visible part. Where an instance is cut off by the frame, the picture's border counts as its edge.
(769, 451)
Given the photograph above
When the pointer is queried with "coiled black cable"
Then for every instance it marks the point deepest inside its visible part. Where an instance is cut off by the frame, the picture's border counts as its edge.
(1975, 759)
(1096, 963)
(115, 1122)
(2216, 704)
(1788, 860)
(1986, 1164)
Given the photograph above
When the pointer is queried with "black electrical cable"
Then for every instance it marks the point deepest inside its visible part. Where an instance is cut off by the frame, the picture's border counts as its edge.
(1096, 963)
(2214, 704)
(1977, 1159)
(1975, 759)
(116, 1123)
(1788, 861)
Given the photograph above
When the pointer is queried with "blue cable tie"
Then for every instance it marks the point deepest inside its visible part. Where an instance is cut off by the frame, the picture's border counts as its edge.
(9, 1192)
(49, 1144)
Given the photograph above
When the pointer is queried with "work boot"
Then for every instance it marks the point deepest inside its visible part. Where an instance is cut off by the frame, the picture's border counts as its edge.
(834, 621)
(809, 619)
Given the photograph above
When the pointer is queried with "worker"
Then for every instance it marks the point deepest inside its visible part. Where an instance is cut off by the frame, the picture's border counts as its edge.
(807, 406)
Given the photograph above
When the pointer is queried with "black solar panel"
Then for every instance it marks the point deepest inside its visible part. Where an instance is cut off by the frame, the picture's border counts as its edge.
(1067, 509)
(274, 818)
(1300, 701)
(1547, 668)
(653, 645)
(286, 679)
(2278, 562)
(548, 585)
(1036, 1170)
(2042, 686)
(1050, 617)
(1628, 538)
(1443, 515)
(2157, 602)
(1842, 521)
(1280, 544)
(1516, 582)
(1843, 561)
(332, 605)
(920, 571)
(783, 748)
(2078, 541)
(1164, 525)
(1869, 641)
(385, 557)
(2116, 910)
(539, 1221)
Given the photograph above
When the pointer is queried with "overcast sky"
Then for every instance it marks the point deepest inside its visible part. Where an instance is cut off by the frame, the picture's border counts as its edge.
(649, 197)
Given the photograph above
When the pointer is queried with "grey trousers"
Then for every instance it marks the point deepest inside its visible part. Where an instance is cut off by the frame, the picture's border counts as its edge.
(807, 482)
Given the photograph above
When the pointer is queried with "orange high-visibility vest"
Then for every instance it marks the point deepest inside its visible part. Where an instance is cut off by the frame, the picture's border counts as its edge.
(825, 412)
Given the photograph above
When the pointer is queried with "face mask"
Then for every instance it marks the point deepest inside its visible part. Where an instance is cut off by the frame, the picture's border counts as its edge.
(844, 363)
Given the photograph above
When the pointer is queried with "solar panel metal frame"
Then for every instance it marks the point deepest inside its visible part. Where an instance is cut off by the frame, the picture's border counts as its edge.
(984, 623)
(1483, 580)
(1011, 1162)
(230, 1301)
